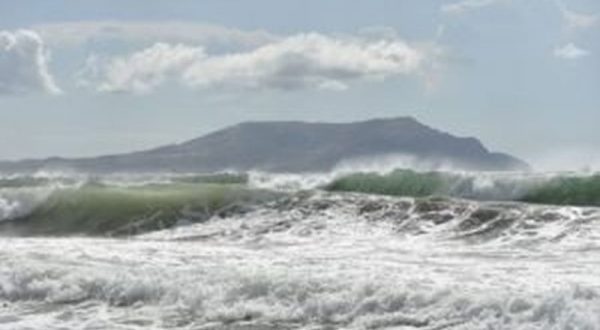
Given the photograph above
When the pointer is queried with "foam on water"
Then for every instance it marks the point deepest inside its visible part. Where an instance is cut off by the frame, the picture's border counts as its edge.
(307, 260)
(318, 261)
(363, 281)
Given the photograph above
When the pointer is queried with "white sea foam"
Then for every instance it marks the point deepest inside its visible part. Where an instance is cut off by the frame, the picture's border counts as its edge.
(313, 263)
(351, 279)
(15, 203)
(315, 260)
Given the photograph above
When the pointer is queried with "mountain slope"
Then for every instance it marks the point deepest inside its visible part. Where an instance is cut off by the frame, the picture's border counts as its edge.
(292, 147)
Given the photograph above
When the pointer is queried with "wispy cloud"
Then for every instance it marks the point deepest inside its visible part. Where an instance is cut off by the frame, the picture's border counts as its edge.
(577, 21)
(570, 52)
(141, 71)
(295, 62)
(76, 33)
(580, 21)
(24, 64)
(465, 6)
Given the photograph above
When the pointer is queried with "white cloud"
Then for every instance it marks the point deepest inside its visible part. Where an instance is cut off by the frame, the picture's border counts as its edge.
(570, 52)
(77, 33)
(464, 6)
(296, 62)
(145, 70)
(24, 64)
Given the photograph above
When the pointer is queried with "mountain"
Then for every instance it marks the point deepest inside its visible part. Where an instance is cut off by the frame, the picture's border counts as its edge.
(292, 147)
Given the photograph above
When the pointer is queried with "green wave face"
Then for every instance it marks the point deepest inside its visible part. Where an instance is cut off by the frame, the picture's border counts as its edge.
(105, 208)
(95, 209)
(423, 184)
(397, 183)
(562, 190)
(217, 178)
(567, 191)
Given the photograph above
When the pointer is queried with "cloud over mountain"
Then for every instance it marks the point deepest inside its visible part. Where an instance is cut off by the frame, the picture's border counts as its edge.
(296, 62)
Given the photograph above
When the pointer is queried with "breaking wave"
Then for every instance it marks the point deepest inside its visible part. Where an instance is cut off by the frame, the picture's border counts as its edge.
(543, 189)
(313, 252)
(320, 260)
(97, 209)
(129, 205)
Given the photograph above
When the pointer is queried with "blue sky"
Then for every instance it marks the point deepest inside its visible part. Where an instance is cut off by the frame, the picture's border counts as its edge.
(81, 78)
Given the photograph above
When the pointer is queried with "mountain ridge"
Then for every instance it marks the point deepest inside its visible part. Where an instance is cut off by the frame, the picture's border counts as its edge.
(291, 146)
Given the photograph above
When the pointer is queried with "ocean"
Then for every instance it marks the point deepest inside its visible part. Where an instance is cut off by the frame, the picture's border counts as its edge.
(399, 250)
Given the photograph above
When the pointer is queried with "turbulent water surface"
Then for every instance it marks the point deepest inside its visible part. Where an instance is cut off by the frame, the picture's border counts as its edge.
(259, 251)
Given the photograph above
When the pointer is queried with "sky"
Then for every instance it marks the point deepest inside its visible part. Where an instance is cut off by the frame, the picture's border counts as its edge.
(84, 78)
